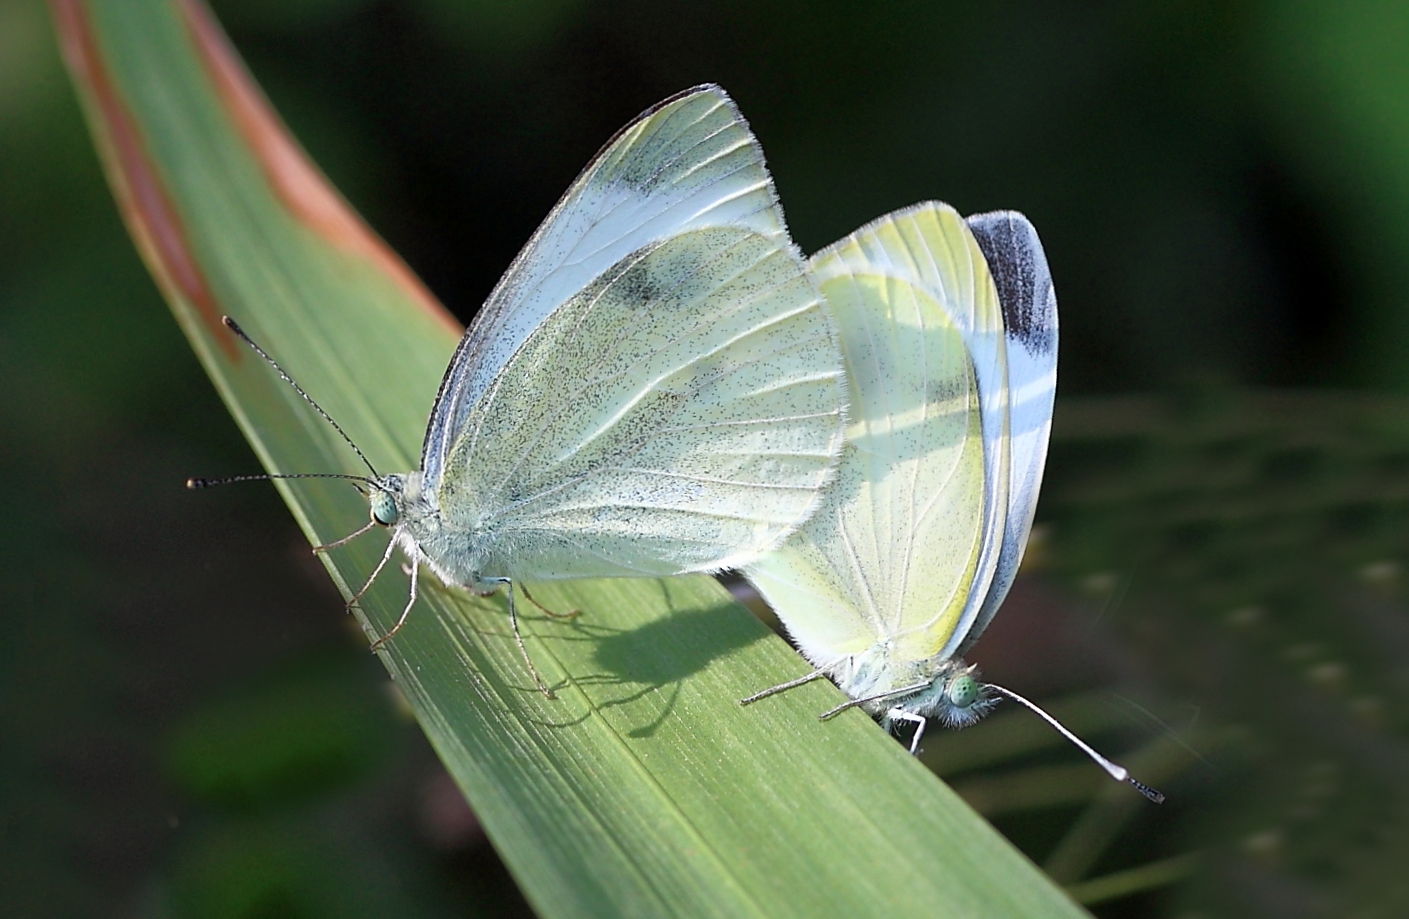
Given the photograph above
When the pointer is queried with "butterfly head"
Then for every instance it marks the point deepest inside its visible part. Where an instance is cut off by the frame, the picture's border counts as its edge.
(956, 698)
(383, 502)
(397, 500)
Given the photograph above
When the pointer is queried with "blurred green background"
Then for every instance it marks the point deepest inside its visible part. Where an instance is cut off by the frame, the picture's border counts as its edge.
(190, 726)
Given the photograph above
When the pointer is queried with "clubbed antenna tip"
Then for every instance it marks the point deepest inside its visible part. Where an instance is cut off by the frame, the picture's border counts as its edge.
(1116, 771)
(240, 334)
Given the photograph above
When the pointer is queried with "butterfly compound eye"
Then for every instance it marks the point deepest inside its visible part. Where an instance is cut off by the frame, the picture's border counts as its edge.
(384, 509)
(962, 691)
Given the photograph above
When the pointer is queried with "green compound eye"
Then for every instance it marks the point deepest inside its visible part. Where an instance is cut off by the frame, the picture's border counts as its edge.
(962, 691)
(384, 509)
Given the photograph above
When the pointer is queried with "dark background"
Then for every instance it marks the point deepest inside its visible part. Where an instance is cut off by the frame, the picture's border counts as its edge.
(190, 726)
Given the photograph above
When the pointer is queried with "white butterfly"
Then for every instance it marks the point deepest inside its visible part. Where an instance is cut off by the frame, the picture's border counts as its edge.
(653, 388)
(949, 335)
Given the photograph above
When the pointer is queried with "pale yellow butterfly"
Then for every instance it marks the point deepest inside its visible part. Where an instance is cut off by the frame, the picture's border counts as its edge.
(949, 335)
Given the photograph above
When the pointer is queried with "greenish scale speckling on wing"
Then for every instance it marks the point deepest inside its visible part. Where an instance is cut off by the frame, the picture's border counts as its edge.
(653, 388)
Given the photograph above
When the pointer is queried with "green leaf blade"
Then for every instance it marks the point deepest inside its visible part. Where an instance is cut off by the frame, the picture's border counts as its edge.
(643, 789)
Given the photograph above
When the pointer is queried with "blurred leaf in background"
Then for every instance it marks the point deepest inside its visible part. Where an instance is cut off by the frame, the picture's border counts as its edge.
(1222, 191)
(1249, 548)
(1167, 152)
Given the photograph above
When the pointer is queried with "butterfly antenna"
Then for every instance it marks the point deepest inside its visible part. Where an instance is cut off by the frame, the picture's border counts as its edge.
(782, 687)
(265, 477)
(240, 334)
(1119, 773)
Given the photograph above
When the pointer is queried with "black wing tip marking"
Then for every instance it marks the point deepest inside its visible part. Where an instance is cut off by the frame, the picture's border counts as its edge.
(1011, 247)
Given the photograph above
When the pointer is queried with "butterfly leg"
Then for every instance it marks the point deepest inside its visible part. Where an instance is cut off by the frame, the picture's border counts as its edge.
(346, 539)
(545, 610)
(518, 636)
(900, 714)
(781, 687)
(854, 703)
(386, 556)
(415, 570)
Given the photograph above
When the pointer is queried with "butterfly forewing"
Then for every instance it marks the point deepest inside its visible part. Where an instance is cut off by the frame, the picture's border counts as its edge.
(688, 163)
(1019, 266)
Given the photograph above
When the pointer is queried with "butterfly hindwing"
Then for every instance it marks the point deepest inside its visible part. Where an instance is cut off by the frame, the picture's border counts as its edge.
(911, 528)
(699, 415)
